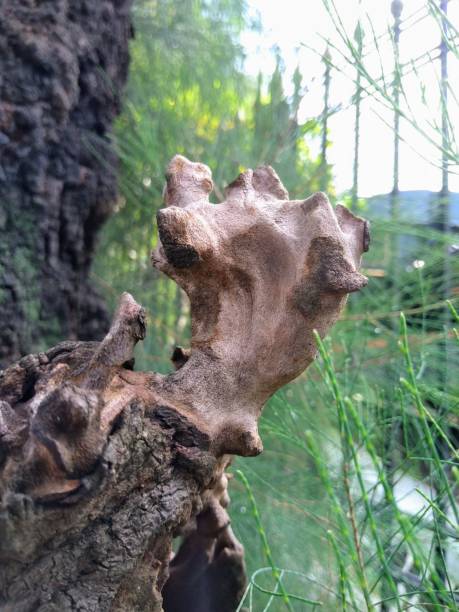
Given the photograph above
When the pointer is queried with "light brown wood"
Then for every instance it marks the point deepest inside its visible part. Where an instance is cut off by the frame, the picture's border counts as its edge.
(262, 272)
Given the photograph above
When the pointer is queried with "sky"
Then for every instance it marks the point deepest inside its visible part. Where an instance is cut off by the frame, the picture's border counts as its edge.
(301, 30)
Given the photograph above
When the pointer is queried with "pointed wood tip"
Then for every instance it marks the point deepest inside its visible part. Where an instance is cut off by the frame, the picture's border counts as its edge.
(262, 181)
(187, 182)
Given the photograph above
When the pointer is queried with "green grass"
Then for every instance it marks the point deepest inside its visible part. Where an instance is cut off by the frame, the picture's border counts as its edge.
(326, 487)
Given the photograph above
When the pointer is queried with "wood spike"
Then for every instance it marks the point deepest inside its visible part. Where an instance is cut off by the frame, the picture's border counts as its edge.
(127, 328)
(186, 182)
(264, 181)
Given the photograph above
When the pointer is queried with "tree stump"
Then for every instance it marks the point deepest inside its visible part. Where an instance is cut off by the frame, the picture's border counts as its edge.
(102, 466)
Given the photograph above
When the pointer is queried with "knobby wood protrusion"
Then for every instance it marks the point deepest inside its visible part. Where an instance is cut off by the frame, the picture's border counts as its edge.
(262, 272)
(101, 466)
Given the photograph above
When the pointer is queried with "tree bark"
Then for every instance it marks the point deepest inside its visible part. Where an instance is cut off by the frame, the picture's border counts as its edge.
(63, 64)
(101, 466)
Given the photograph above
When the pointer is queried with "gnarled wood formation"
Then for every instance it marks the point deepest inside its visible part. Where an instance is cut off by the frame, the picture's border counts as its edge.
(262, 272)
(102, 466)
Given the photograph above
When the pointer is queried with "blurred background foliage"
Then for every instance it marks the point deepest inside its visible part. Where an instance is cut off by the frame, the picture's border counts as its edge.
(356, 490)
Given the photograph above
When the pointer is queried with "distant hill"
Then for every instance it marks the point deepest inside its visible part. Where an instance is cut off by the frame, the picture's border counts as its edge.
(420, 207)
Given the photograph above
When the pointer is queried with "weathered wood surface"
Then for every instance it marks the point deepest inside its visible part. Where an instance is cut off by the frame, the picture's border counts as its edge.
(102, 466)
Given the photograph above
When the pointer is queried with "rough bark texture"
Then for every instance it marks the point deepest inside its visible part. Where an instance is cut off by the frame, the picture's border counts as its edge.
(97, 477)
(102, 466)
(62, 66)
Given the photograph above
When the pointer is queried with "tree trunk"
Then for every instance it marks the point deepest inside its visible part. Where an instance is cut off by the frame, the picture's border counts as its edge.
(101, 466)
(63, 64)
